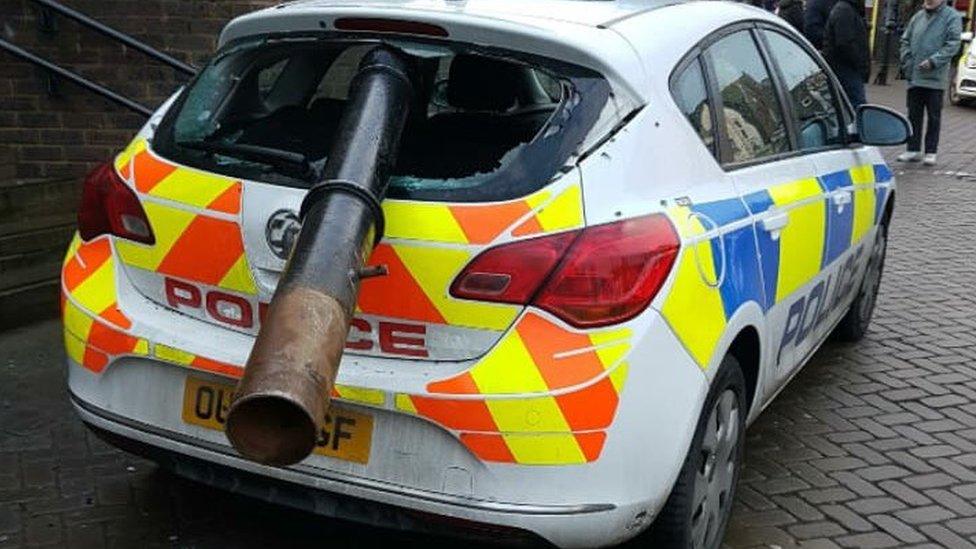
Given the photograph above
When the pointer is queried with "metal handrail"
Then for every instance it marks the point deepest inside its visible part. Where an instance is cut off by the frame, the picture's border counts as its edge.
(76, 79)
(118, 36)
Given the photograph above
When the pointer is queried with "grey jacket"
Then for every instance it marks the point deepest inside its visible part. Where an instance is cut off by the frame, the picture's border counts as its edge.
(934, 37)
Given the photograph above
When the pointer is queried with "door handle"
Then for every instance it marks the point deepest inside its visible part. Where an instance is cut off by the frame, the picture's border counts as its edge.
(775, 224)
(841, 199)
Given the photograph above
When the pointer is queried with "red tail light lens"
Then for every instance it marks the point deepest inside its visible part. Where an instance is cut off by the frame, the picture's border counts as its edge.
(514, 272)
(108, 206)
(600, 276)
(612, 272)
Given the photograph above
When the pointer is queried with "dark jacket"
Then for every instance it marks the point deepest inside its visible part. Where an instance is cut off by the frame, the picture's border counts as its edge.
(815, 20)
(792, 12)
(845, 44)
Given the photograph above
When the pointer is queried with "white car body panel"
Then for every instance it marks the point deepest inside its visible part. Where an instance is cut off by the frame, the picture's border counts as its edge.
(655, 164)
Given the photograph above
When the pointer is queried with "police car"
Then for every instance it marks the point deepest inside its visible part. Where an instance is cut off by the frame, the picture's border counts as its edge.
(614, 232)
(962, 88)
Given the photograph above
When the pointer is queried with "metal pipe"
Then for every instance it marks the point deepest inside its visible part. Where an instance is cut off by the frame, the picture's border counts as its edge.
(118, 36)
(281, 402)
(76, 79)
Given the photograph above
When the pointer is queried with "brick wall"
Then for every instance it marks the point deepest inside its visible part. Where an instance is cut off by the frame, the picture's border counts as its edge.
(64, 134)
(48, 142)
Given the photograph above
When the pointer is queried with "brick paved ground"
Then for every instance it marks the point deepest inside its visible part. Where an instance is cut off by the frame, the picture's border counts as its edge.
(872, 445)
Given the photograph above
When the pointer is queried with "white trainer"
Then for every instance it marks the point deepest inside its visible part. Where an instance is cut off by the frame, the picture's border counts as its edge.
(929, 160)
(909, 156)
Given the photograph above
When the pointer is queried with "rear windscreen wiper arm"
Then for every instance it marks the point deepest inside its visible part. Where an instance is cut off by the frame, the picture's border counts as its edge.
(288, 161)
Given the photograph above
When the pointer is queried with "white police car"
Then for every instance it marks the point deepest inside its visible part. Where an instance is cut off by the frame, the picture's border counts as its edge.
(616, 229)
(962, 88)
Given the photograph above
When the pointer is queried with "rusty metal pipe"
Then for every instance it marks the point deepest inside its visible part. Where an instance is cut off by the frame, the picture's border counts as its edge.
(282, 400)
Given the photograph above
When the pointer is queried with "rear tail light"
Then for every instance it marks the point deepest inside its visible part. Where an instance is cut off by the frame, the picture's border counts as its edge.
(109, 206)
(599, 276)
(514, 272)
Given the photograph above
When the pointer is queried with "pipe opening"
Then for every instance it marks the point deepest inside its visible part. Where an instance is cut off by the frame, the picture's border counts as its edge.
(272, 430)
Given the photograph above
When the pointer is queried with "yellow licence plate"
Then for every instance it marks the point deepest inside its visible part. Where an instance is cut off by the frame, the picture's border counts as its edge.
(346, 435)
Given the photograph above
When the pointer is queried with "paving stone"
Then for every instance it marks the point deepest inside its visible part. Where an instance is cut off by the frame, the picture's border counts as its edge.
(823, 529)
(870, 540)
(923, 515)
(850, 520)
(948, 538)
(871, 506)
(964, 526)
(897, 528)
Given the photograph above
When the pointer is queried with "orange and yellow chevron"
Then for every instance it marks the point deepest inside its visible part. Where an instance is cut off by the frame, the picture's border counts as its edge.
(94, 327)
(553, 209)
(154, 177)
(194, 216)
(543, 396)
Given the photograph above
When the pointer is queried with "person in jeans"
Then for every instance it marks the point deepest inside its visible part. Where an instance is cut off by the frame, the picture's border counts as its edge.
(929, 42)
(845, 47)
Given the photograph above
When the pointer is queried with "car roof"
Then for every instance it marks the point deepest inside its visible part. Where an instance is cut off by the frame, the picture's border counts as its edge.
(625, 40)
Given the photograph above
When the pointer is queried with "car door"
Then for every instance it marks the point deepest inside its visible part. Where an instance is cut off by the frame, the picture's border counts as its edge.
(846, 175)
(784, 198)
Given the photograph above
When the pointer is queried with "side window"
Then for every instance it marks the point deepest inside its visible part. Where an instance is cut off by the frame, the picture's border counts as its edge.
(751, 113)
(691, 95)
(817, 119)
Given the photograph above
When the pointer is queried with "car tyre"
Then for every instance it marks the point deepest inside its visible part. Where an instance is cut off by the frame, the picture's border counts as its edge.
(697, 512)
(855, 323)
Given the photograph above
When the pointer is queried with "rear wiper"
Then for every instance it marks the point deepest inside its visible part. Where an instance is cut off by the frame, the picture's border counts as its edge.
(291, 163)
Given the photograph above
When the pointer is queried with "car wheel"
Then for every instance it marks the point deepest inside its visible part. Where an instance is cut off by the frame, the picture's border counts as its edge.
(698, 509)
(855, 323)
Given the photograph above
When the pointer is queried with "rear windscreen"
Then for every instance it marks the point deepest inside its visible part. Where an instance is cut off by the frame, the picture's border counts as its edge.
(484, 124)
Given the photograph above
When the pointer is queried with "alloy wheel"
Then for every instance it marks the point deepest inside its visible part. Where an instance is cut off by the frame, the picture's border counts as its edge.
(715, 475)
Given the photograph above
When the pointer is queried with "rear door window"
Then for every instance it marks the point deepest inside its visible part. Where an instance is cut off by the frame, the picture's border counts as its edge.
(752, 117)
(691, 94)
(484, 125)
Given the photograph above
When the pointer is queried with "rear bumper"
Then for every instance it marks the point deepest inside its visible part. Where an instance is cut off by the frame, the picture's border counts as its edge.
(299, 496)
(359, 500)
(417, 467)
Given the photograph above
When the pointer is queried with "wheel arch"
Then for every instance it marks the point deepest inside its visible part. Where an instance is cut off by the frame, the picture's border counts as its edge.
(889, 209)
(747, 350)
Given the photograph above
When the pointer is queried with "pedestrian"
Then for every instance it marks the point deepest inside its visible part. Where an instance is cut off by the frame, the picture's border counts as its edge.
(930, 41)
(792, 12)
(815, 20)
(845, 47)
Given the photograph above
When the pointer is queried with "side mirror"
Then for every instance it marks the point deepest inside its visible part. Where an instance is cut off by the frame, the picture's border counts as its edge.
(881, 126)
(966, 36)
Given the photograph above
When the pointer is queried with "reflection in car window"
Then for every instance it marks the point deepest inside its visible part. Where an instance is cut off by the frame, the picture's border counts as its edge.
(692, 98)
(752, 115)
(814, 105)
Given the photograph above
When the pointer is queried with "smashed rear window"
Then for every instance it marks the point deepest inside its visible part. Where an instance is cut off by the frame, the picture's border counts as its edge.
(485, 124)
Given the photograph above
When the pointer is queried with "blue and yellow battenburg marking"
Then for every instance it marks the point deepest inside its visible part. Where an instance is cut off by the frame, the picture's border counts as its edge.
(760, 266)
